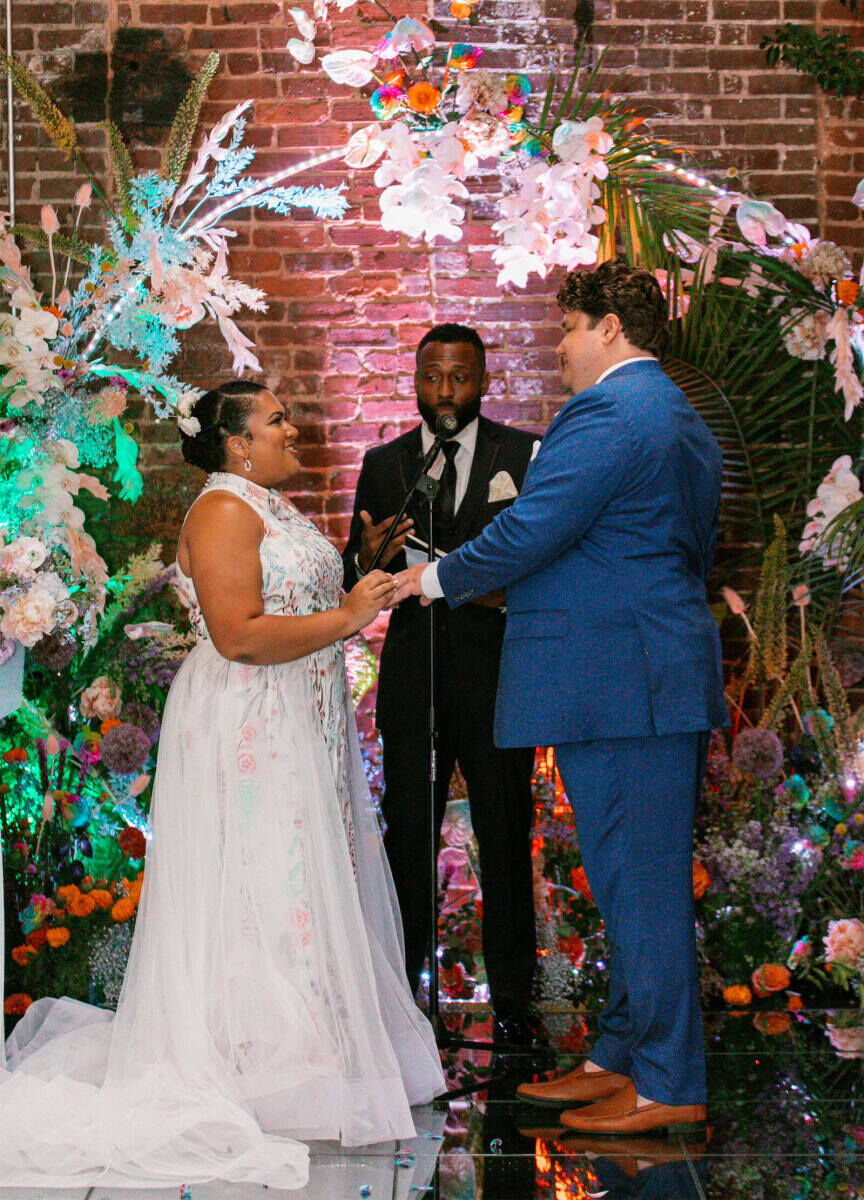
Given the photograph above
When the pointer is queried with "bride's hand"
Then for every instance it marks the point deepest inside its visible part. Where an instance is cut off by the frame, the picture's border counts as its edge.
(366, 599)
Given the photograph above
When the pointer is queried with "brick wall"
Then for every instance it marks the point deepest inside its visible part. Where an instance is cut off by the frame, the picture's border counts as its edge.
(348, 300)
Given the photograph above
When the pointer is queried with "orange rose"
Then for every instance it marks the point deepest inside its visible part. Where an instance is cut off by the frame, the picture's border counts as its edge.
(82, 906)
(67, 893)
(770, 977)
(739, 995)
(423, 97)
(17, 1004)
(123, 909)
(701, 880)
(847, 291)
(22, 955)
(101, 898)
(772, 1024)
(58, 937)
(794, 1003)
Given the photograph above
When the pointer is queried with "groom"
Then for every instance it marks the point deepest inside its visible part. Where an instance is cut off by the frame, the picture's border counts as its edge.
(611, 655)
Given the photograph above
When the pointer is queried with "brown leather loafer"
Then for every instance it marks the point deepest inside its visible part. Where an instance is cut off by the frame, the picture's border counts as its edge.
(576, 1087)
(620, 1114)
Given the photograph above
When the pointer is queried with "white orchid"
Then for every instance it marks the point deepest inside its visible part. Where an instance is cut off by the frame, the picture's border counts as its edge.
(421, 205)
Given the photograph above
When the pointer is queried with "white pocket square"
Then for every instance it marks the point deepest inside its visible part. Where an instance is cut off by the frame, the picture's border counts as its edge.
(502, 487)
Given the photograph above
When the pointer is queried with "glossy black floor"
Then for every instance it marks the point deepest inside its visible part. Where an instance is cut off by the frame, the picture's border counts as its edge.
(786, 1123)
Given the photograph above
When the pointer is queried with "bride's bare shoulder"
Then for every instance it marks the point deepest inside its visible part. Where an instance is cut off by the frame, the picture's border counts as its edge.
(222, 514)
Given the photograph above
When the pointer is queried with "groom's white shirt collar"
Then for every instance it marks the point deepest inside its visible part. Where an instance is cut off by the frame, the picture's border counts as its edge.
(625, 362)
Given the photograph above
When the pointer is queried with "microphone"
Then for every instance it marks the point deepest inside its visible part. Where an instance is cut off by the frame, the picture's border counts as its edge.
(445, 426)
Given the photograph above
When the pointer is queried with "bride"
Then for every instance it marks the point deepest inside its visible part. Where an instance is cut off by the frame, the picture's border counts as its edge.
(265, 999)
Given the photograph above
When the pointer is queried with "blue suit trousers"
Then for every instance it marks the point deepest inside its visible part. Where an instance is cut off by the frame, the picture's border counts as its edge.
(634, 801)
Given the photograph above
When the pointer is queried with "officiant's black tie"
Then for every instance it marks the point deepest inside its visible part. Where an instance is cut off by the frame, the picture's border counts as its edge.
(446, 501)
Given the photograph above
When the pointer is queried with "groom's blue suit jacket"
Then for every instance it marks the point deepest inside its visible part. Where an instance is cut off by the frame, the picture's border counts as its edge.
(605, 556)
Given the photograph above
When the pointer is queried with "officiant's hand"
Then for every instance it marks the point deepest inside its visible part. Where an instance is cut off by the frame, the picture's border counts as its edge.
(408, 584)
(373, 535)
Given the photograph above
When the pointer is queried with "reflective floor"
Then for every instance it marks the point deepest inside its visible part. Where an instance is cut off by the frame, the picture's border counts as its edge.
(786, 1123)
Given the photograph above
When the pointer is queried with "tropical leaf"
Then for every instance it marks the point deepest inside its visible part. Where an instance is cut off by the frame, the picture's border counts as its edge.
(186, 121)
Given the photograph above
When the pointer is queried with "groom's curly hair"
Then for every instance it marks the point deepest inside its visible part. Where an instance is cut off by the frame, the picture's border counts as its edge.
(631, 293)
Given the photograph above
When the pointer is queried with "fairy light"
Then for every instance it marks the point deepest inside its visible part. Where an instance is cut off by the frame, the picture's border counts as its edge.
(683, 173)
(237, 201)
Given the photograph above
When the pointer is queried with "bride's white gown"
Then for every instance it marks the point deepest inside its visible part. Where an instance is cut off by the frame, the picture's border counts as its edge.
(265, 998)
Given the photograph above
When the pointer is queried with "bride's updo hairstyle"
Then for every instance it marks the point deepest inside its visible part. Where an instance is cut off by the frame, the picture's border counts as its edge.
(221, 413)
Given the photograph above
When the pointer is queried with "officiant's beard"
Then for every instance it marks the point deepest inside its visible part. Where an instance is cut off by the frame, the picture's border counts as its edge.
(464, 413)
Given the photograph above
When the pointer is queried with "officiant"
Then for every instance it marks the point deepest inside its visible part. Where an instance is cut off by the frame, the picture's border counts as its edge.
(481, 469)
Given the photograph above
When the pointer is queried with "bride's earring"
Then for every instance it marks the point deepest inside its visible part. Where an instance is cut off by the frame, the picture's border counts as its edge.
(247, 464)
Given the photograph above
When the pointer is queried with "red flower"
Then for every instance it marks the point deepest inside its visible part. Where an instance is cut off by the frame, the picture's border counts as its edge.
(17, 755)
(579, 882)
(132, 842)
(36, 938)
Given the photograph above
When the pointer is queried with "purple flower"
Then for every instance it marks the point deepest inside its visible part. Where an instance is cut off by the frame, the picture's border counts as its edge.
(142, 715)
(125, 749)
(758, 752)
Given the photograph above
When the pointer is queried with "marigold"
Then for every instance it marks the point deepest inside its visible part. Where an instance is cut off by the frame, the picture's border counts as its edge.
(701, 879)
(123, 909)
(68, 893)
(739, 995)
(423, 97)
(135, 891)
(109, 724)
(58, 937)
(847, 291)
(22, 955)
(460, 10)
(16, 755)
(794, 1003)
(770, 977)
(17, 1004)
(102, 898)
(82, 906)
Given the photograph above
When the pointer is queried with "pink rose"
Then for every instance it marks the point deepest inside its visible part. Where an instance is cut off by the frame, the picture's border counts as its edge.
(848, 1041)
(845, 942)
(30, 617)
(23, 556)
(101, 699)
(246, 762)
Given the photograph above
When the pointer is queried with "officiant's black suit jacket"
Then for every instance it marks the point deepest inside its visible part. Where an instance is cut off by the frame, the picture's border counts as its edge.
(469, 637)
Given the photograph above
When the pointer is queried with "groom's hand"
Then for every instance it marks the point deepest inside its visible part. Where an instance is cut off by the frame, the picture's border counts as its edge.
(373, 535)
(408, 584)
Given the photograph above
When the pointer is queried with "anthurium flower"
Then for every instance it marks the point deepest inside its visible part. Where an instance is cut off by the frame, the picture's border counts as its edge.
(303, 51)
(407, 34)
(464, 56)
(365, 147)
(350, 67)
(423, 97)
(757, 219)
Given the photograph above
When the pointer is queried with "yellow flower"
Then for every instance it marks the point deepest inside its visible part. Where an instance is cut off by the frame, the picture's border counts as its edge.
(123, 909)
(58, 937)
(840, 829)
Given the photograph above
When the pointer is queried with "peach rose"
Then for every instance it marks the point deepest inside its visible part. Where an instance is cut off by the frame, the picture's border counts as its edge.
(23, 556)
(848, 1041)
(30, 617)
(844, 942)
(101, 699)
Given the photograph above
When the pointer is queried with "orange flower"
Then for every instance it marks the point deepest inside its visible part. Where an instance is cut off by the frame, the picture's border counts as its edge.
(423, 97)
(101, 898)
(108, 725)
(770, 977)
(460, 10)
(701, 879)
(58, 937)
(847, 291)
(772, 1024)
(17, 1004)
(579, 882)
(135, 891)
(68, 893)
(22, 955)
(82, 906)
(123, 909)
(17, 755)
(738, 994)
(794, 1003)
